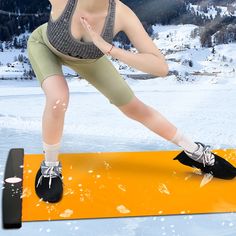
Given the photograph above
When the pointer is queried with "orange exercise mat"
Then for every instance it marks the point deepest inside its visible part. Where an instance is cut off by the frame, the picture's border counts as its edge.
(122, 184)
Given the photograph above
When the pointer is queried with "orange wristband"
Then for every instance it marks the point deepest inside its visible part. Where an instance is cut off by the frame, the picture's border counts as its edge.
(109, 52)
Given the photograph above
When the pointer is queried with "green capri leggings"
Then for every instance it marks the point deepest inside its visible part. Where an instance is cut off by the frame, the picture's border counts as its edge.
(101, 73)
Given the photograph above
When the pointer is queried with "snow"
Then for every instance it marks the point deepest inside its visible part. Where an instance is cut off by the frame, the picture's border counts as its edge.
(175, 37)
(202, 107)
(212, 11)
(180, 46)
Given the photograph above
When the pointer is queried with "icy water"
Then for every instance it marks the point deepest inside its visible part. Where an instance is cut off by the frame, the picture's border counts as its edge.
(204, 111)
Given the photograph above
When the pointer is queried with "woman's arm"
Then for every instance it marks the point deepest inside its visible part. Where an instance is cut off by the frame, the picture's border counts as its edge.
(149, 59)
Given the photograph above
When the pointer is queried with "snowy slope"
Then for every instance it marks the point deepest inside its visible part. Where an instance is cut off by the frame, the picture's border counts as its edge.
(181, 47)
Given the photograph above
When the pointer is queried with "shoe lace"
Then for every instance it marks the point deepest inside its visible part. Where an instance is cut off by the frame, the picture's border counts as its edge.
(206, 156)
(51, 172)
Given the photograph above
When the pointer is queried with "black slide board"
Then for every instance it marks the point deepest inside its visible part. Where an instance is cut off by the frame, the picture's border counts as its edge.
(12, 192)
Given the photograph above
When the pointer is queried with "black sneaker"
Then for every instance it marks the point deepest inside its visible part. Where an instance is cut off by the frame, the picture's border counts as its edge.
(210, 162)
(48, 183)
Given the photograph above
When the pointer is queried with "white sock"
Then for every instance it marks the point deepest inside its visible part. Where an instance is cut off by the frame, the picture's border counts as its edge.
(183, 141)
(51, 152)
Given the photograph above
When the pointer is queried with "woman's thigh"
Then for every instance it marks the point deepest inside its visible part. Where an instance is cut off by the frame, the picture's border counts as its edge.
(105, 78)
(43, 61)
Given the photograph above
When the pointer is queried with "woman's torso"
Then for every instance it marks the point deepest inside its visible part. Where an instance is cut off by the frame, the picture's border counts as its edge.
(76, 27)
(66, 33)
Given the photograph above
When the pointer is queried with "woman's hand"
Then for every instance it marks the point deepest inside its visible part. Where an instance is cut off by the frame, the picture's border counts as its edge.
(96, 38)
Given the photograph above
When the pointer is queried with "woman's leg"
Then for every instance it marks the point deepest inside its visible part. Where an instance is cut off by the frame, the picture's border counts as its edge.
(104, 76)
(149, 117)
(48, 70)
(48, 180)
(155, 121)
(57, 98)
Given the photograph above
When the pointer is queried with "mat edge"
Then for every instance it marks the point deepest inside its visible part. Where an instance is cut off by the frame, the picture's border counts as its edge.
(12, 216)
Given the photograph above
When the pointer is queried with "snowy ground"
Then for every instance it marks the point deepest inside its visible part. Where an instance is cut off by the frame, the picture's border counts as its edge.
(202, 109)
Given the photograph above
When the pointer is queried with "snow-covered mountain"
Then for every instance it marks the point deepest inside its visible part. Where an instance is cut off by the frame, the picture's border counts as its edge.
(211, 11)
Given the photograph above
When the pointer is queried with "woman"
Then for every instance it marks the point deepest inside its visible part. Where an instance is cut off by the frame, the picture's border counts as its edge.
(79, 35)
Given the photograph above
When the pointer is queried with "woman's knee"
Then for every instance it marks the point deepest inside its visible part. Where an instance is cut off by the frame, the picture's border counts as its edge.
(57, 93)
(135, 109)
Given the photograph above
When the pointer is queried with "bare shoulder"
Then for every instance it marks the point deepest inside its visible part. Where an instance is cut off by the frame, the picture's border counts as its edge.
(124, 14)
(123, 8)
(131, 25)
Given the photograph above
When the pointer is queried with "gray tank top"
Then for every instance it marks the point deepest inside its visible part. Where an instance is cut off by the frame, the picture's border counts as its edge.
(61, 38)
